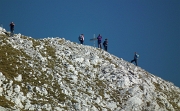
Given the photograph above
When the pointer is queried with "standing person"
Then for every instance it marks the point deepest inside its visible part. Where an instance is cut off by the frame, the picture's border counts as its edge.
(105, 44)
(12, 28)
(99, 38)
(81, 38)
(136, 56)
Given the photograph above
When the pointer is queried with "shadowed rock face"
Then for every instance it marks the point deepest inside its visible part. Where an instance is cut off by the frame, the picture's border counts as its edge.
(56, 74)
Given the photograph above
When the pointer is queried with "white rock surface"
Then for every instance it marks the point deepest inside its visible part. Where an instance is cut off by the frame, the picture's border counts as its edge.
(58, 75)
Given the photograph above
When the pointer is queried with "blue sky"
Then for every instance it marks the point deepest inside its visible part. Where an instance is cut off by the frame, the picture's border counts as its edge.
(149, 27)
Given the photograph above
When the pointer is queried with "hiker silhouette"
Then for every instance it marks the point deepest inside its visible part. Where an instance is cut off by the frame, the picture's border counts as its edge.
(81, 38)
(12, 28)
(136, 56)
(105, 44)
(99, 38)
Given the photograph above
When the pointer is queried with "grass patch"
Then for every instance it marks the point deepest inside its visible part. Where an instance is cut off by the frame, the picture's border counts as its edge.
(5, 103)
(9, 61)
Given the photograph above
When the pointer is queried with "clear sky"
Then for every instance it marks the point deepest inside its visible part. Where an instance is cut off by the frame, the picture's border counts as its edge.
(149, 27)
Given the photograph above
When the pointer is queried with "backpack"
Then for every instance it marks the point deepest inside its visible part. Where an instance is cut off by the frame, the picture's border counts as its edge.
(105, 43)
(136, 56)
(80, 37)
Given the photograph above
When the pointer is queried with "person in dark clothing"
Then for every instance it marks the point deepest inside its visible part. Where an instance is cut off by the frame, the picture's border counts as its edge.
(12, 28)
(105, 44)
(136, 56)
(81, 38)
(99, 38)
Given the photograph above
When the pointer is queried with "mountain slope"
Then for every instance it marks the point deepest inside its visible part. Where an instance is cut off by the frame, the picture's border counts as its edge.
(56, 74)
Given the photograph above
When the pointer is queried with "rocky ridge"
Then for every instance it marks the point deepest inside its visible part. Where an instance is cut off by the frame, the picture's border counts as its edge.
(54, 74)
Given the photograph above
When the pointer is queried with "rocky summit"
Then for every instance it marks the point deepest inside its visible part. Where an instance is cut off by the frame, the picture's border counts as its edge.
(54, 74)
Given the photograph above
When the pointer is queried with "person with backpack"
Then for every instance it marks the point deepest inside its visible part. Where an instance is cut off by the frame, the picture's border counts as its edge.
(105, 44)
(136, 56)
(12, 28)
(99, 38)
(81, 38)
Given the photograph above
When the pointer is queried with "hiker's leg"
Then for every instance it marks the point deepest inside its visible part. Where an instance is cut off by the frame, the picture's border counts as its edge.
(105, 48)
(136, 62)
(132, 60)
